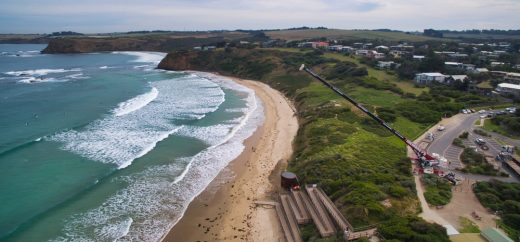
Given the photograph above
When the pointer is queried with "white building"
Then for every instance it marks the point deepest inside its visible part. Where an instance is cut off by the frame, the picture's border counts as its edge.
(418, 57)
(386, 64)
(508, 88)
(427, 78)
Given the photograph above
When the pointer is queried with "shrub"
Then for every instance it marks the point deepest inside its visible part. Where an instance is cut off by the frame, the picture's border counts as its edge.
(481, 132)
(464, 135)
(458, 142)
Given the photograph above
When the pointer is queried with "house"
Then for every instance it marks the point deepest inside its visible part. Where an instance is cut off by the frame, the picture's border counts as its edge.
(347, 49)
(387, 65)
(418, 57)
(362, 52)
(454, 78)
(496, 63)
(314, 45)
(398, 53)
(427, 78)
(508, 89)
(461, 66)
(452, 64)
(367, 46)
(402, 47)
(382, 48)
(377, 55)
(512, 77)
(480, 70)
(320, 44)
(370, 54)
(210, 47)
(335, 47)
(467, 67)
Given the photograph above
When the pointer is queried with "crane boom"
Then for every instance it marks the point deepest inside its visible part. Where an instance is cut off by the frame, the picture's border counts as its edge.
(421, 154)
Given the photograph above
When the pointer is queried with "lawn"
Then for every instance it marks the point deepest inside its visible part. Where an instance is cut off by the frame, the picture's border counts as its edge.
(380, 74)
(468, 226)
(375, 97)
(408, 128)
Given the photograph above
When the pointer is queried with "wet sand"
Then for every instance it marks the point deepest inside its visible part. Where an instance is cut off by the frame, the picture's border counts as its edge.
(225, 211)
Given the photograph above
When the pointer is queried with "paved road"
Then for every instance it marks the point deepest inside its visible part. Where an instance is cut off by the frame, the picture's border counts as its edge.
(442, 145)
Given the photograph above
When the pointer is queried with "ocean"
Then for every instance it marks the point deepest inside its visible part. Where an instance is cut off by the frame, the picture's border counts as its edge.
(104, 147)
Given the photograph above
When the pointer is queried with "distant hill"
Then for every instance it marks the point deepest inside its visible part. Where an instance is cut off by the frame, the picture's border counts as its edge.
(152, 42)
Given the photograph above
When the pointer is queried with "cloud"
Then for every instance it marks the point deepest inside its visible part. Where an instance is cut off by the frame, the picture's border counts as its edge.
(124, 15)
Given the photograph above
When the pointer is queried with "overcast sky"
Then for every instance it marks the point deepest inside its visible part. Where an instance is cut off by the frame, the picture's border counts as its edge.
(89, 16)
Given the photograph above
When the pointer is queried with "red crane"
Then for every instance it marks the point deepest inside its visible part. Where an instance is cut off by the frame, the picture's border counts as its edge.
(425, 160)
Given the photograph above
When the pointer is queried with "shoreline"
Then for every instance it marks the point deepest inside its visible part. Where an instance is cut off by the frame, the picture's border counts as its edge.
(225, 209)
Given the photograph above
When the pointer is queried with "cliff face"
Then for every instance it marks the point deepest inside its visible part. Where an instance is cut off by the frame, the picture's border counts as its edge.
(180, 61)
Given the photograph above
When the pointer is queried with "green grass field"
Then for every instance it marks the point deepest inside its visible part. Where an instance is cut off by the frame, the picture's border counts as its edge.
(341, 34)
(405, 85)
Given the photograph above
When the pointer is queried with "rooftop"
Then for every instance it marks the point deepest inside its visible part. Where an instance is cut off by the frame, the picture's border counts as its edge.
(493, 235)
(431, 74)
(509, 85)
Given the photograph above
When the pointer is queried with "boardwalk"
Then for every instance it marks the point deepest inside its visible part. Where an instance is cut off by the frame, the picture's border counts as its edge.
(340, 220)
(288, 205)
(301, 211)
(319, 214)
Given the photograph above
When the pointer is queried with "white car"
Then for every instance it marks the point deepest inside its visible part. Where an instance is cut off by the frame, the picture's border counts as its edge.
(482, 111)
(441, 128)
(483, 116)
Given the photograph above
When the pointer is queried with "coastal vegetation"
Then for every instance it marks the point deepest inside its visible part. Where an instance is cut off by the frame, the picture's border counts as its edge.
(507, 125)
(476, 163)
(358, 164)
(438, 190)
(504, 199)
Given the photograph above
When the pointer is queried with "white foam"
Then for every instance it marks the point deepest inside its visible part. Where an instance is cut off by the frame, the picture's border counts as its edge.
(141, 123)
(32, 80)
(145, 57)
(106, 67)
(136, 103)
(157, 197)
(39, 72)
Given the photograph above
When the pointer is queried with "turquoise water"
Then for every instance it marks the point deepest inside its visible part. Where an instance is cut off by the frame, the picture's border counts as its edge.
(100, 147)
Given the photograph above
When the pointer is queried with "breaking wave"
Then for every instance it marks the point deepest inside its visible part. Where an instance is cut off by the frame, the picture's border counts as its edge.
(136, 103)
(138, 124)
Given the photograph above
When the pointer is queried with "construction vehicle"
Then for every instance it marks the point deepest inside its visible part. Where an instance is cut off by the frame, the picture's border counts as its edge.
(427, 163)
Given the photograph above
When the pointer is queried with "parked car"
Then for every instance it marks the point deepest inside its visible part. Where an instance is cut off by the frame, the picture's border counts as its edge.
(441, 128)
(483, 116)
(472, 110)
(480, 141)
(482, 111)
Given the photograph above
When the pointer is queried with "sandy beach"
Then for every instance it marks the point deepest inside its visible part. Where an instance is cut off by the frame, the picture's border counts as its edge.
(225, 211)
